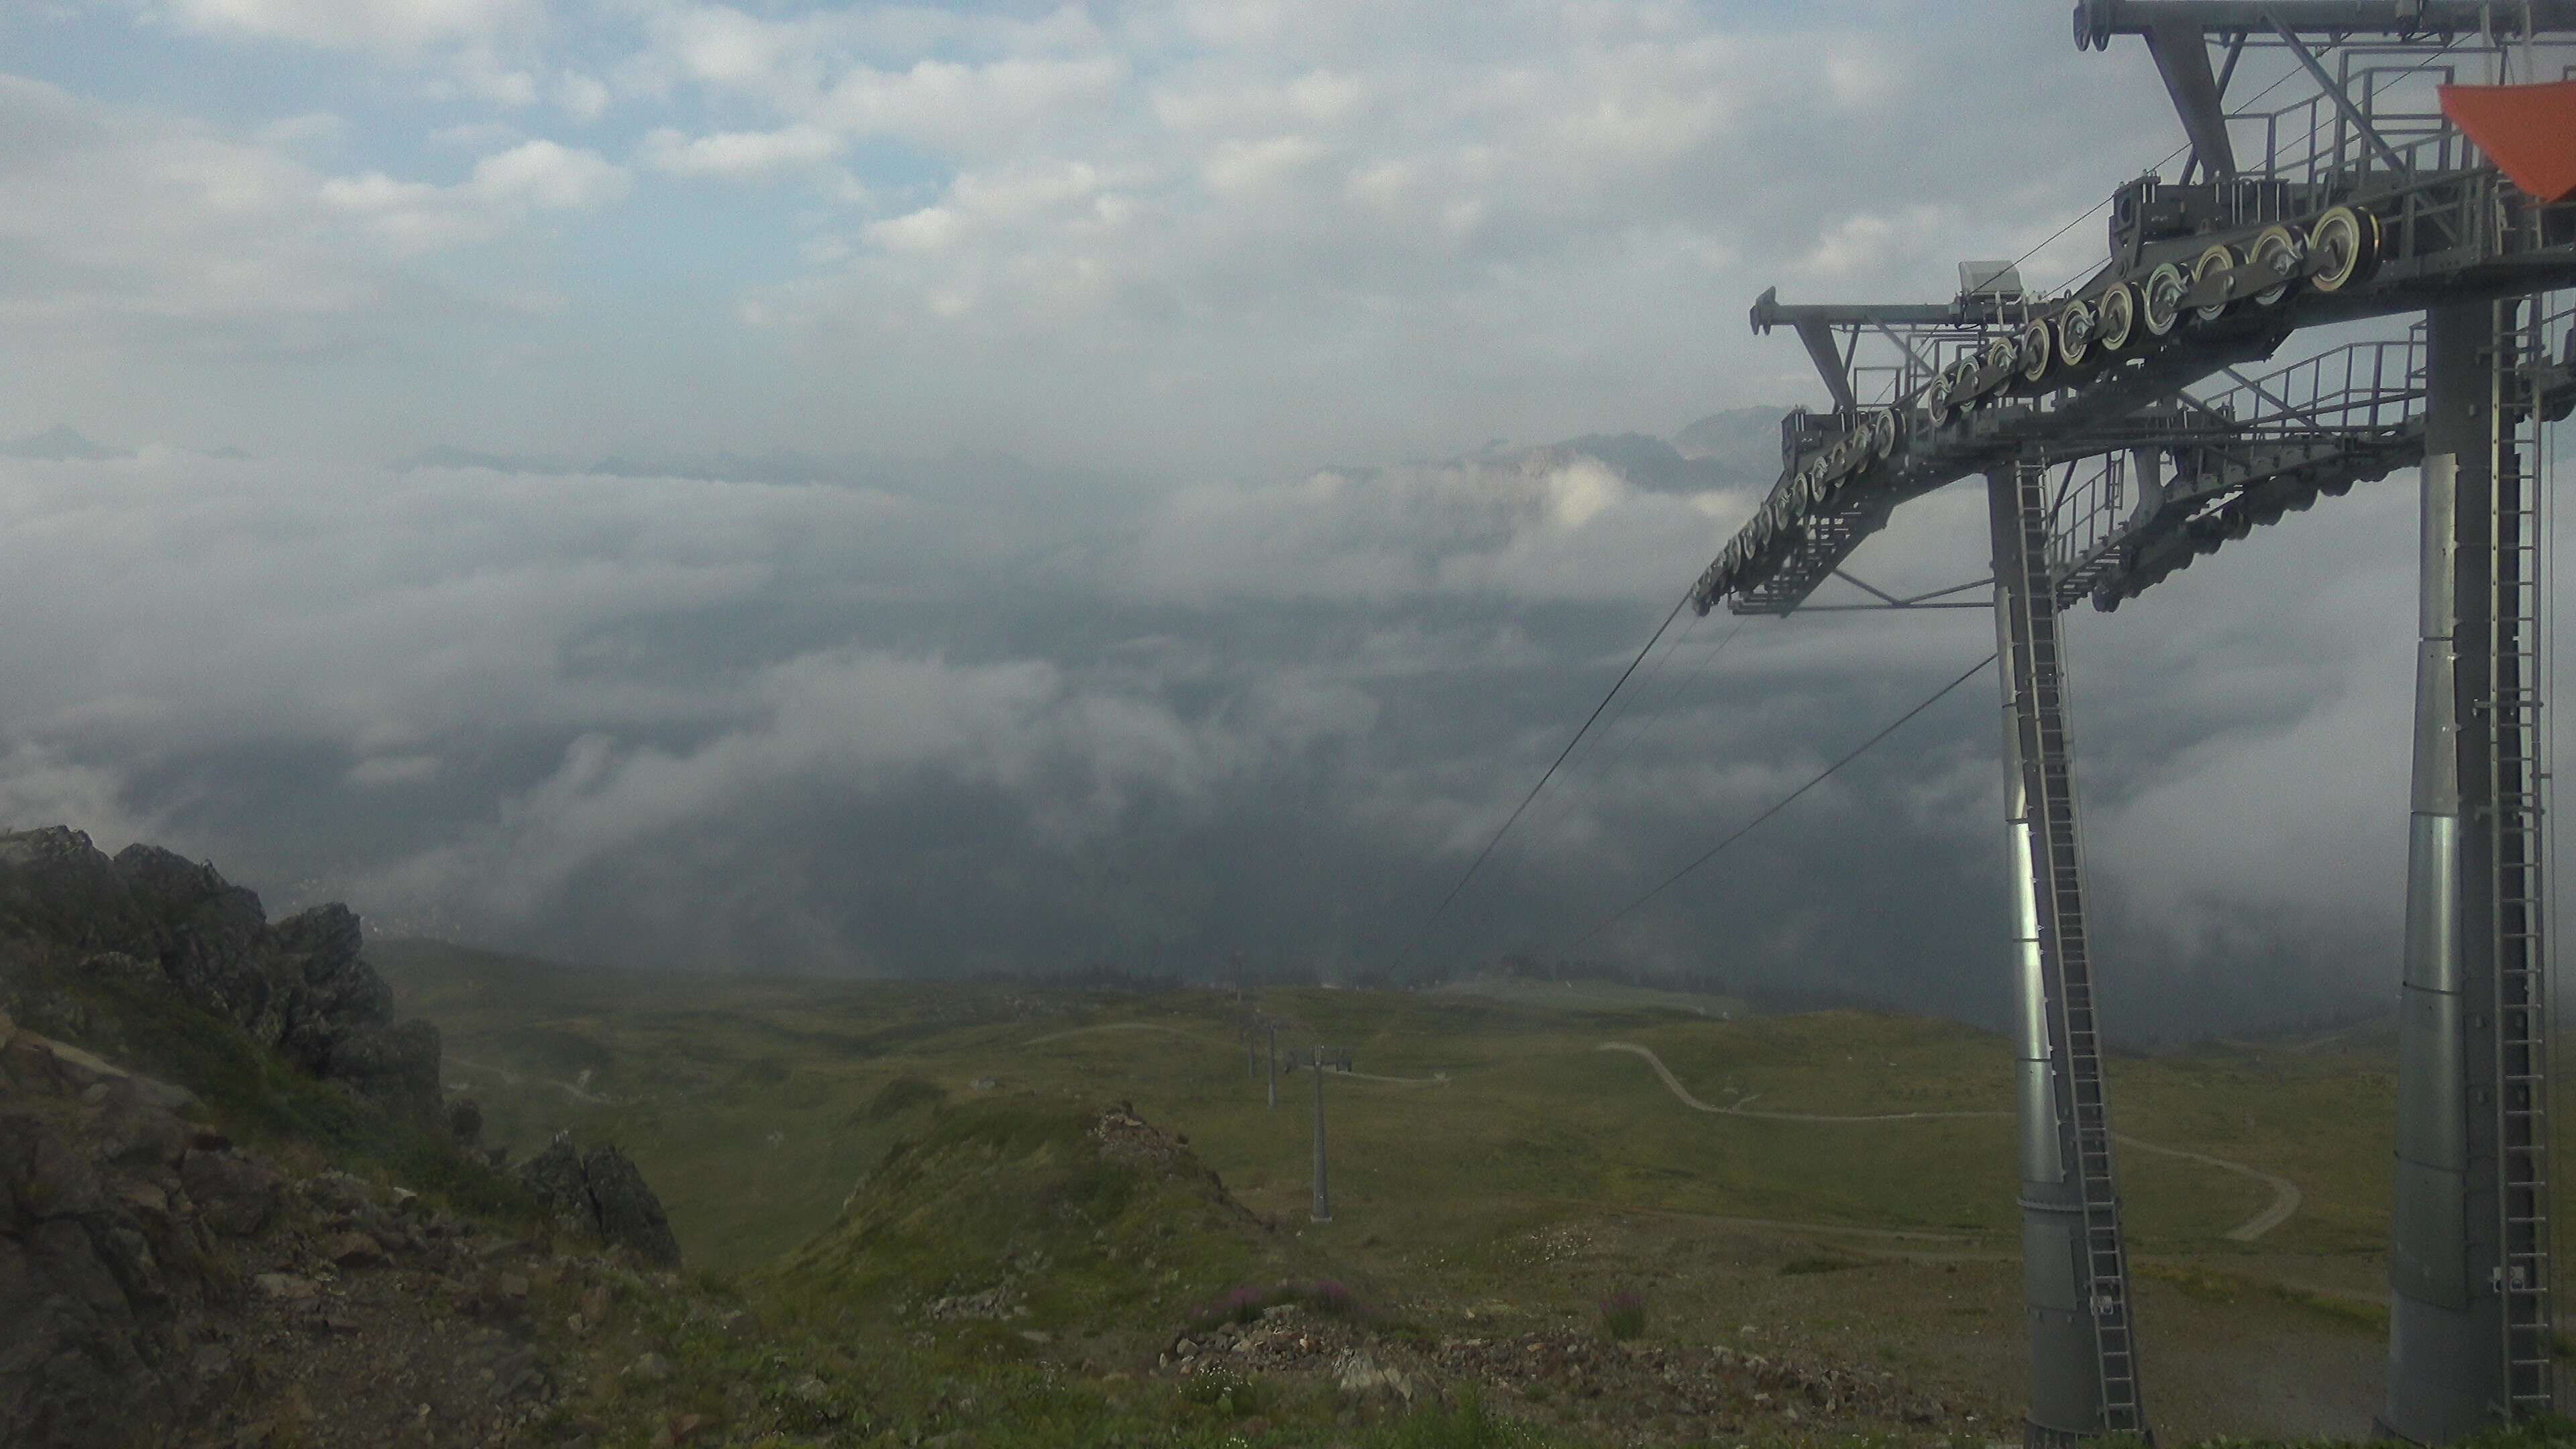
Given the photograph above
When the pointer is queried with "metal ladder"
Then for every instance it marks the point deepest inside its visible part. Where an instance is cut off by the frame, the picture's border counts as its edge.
(2076, 1040)
(2518, 761)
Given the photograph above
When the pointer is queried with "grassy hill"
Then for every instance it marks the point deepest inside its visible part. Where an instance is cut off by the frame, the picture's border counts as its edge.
(1045, 1218)
(1492, 1163)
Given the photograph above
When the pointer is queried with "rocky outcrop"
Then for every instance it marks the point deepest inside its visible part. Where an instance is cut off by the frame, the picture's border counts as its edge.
(152, 919)
(465, 1122)
(112, 1211)
(160, 1288)
(395, 1065)
(331, 993)
(601, 1193)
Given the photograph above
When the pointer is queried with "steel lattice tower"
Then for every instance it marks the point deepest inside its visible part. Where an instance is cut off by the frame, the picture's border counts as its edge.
(2358, 200)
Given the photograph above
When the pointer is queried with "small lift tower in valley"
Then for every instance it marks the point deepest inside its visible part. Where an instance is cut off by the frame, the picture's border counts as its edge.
(2423, 164)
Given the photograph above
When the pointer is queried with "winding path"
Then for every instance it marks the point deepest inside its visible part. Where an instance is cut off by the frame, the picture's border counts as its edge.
(2285, 1193)
(515, 1078)
(1696, 1104)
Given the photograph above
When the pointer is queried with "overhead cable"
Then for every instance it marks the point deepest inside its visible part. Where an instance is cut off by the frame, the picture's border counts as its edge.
(1550, 772)
(1780, 804)
(1597, 766)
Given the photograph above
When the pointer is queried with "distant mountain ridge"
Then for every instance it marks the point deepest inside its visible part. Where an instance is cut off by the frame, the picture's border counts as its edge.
(60, 444)
(777, 466)
(1736, 448)
(63, 444)
(1745, 437)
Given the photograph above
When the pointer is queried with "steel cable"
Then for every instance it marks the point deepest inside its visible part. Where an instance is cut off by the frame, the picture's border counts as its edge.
(1550, 772)
(1605, 755)
(1780, 804)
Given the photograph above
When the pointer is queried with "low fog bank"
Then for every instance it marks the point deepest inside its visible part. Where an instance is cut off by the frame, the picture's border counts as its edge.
(961, 715)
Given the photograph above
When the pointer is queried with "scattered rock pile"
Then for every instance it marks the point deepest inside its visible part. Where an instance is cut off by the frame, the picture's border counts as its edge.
(398, 1315)
(1711, 1384)
(1692, 1391)
(1360, 1376)
(1286, 1338)
(1002, 1300)
(1127, 1138)
(1130, 1140)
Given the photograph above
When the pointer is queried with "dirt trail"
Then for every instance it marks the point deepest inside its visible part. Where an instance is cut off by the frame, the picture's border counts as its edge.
(1107, 1026)
(1696, 1104)
(515, 1078)
(2285, 1193)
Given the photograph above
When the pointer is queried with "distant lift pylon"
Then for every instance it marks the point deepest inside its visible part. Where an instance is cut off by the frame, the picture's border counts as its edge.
(2119, 439)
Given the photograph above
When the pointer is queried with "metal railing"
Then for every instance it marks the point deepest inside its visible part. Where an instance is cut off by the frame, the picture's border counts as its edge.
(2358, 408)
(2314, 141)
(2092, 505)
(2369, 386)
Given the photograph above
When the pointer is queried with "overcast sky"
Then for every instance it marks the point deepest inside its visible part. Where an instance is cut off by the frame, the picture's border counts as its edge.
(869, 489)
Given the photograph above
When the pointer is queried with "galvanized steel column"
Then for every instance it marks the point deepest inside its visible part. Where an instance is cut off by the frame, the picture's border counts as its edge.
(2065, 1381)
(2445, 1324)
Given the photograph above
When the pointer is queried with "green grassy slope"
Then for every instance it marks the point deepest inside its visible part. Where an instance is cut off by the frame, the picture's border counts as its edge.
(1019, 1197)
(1517, 1171)
(751, 1086)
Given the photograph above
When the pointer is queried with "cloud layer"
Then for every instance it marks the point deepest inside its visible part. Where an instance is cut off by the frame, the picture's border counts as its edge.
(1184, 236)
(829, 717)
(917, 488)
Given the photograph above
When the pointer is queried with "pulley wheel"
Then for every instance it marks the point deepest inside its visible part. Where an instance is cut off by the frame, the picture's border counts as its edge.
(2160, 300)
(1949, 390)
(2215, 262)
(2115, 317)
(1937, 402)
(1963, 385)
(1882, 433)
(2278, 252)
(2003, 355)
(2075, 333)
(2346, 243)
(2036, 352)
